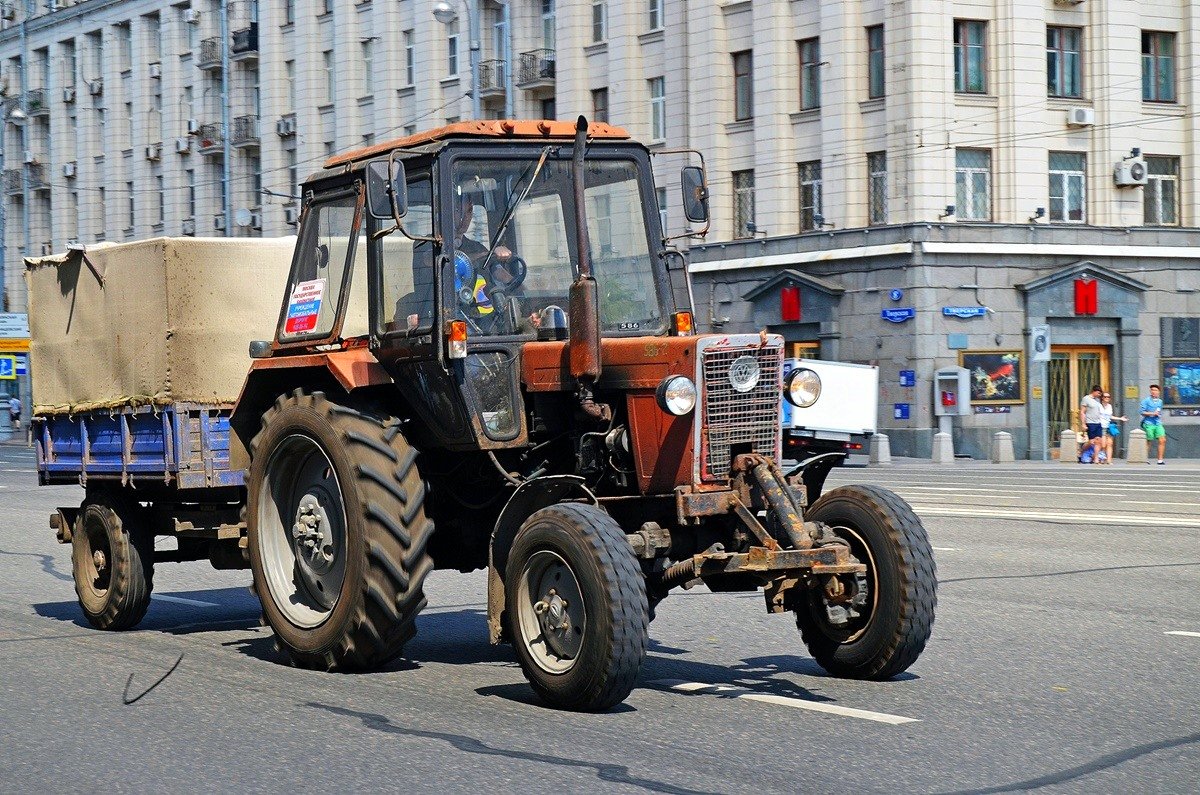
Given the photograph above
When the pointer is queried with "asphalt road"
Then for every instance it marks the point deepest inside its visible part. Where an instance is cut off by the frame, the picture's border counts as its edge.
(1052, 668)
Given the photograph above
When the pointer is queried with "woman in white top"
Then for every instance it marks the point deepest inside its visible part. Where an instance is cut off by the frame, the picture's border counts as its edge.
(1106, 419)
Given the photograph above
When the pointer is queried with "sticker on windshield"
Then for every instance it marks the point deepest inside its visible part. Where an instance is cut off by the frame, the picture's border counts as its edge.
(304, 306)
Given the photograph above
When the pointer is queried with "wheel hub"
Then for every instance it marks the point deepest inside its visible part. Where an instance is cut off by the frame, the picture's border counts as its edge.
(100, 560)
(309, 532)
(552, 616)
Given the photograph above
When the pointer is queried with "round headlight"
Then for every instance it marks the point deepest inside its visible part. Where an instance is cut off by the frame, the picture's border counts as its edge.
(802, 387)
(676, 395)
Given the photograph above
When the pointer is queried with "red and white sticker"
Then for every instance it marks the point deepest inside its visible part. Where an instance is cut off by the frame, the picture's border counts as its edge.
(304, 306)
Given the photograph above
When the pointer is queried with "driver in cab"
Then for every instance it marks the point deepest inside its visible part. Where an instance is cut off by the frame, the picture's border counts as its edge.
(476, 275)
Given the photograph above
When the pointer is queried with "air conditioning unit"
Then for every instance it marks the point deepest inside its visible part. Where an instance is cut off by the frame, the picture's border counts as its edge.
(256, 220)
(1081, 117)
(219, 222)
(193, 126)
(183, 145)
(156, 70)
(191, 16)
(96, 86)
(285, 127)
(69, 169)
(8, 11)
(73, 244)
(153, 151)
(1130, 173)
(189, 226)
(30, 158)
(291, 215)
(69, 94)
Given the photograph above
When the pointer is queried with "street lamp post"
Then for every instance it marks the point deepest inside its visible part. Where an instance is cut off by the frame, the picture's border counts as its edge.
(445, 13)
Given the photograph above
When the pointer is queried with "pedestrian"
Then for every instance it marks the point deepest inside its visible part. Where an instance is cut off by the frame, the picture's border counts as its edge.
(1089, 416)
(1152, 423)
(1108, 421)
(14, 411)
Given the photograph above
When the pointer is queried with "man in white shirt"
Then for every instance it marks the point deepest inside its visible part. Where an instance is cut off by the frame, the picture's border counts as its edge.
(1090, 410)
(14, 411)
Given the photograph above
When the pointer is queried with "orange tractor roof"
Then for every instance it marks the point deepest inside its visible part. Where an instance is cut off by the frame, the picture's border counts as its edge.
(507, 129)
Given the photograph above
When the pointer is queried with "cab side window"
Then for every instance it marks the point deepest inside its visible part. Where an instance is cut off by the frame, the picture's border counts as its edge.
(323, 255)
(406, 266)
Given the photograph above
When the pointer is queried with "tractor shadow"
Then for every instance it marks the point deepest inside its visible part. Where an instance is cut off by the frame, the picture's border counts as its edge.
(219, 610)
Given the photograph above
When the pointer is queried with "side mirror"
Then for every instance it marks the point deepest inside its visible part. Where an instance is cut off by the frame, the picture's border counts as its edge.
(695, 195)
(387, 193)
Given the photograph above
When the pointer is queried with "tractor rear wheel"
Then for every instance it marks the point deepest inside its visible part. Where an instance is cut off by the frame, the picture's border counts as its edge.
(337, 533)
(576, 607)
(884, 630)
(112, 560)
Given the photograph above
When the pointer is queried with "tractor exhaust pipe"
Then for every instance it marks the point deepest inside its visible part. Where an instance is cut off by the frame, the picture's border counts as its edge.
(583, 347)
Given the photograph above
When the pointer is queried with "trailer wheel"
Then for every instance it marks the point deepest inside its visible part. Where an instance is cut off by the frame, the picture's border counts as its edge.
(337, 533)
(576, 607)
(885, 632)
(112, 560)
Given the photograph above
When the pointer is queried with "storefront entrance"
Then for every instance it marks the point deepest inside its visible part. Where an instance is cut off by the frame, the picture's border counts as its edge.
(1073, 370)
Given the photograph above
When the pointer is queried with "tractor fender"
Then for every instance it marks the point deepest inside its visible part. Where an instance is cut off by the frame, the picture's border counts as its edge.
(530, 496)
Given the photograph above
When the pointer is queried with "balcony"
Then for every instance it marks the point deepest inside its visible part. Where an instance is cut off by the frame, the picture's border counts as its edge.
(209, 57)
(245, 44)
(245, 132)
(37, 177)
(35, 102)
(12, 181)
(536, 69)
(211, 139)
(491, 79)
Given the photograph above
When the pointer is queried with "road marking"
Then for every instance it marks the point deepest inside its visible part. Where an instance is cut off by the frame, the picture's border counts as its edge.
(1185, 634)
(194, 602)
(1159, 502)
(1052, 516)
(728, 691)
(944, 549)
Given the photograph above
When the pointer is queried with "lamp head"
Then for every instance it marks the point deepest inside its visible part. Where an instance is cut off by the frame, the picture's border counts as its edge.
(444, 12)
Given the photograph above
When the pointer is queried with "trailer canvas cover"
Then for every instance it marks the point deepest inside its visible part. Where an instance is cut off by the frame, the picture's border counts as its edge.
(152, 321)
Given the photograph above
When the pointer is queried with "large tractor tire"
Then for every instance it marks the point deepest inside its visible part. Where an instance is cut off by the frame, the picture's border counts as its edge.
(337, 533)
(576, 607)
(888, 631)
(112, 560)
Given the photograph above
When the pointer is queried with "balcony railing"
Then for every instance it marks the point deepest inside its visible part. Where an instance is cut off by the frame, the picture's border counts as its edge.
(245, 132)
(536, 69)
(245, 43)
(210, 54)
(491, 79)
(211, 139)
(37, 176)
(12, 180)
(35, 102)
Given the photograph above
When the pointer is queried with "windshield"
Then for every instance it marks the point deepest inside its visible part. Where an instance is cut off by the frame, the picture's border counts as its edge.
(532, 258)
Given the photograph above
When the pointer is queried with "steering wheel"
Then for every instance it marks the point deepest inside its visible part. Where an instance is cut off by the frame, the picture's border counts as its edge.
(517, 269)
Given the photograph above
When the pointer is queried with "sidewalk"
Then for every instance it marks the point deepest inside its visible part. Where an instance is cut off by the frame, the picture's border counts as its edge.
(1187, 464)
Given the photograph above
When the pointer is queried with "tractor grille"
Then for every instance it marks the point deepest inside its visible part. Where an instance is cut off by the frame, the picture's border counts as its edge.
(748, 421)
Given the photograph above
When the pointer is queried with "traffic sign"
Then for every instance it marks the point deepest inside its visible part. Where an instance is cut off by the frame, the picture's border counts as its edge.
(8, 368)
(14, 325)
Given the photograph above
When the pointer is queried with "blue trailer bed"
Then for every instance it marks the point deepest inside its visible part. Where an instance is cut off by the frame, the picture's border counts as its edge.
(184, 445)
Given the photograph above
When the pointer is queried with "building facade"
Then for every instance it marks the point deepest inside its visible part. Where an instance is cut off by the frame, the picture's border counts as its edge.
(977, 157)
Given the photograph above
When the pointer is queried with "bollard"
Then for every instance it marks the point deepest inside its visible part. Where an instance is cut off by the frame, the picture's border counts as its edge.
(881, 450)
(1002, 448)
(1135, 451)
(1068, 447)
(943, 448)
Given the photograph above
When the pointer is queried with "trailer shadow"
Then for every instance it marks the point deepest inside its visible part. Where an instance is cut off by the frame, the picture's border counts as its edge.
(177, 612)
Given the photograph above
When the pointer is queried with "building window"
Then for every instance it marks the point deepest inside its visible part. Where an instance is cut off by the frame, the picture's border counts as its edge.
(600, 105)
(661, 195)
(877, 188)
(452, 48)
(124, 47)
(743, 204)
(368, 59)
(289, 12)
(970, 56)
(1068, 187)
(875, 77)
(656, 14)
(1161, 198)
(973, 184)
(293, 171)
(159, 194)
(549, 108)
(132, 207)
(1158, 67)
(330, 84)
(810, 74)
(410, 59)
(599, 21)
(289, 73)
(548, 24)
(1064, 62)
(743, 86)
(190, 179)
(658, 109)
(810, 195)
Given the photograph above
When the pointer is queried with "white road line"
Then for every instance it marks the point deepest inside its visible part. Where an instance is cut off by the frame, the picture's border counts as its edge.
(194, 602)
(944, 549)
(1185, 634)
(1080, 517)
(728, 691)
(1159, 502)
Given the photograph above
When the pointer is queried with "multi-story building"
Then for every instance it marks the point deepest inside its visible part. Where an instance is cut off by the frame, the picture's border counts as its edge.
(954, 166)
